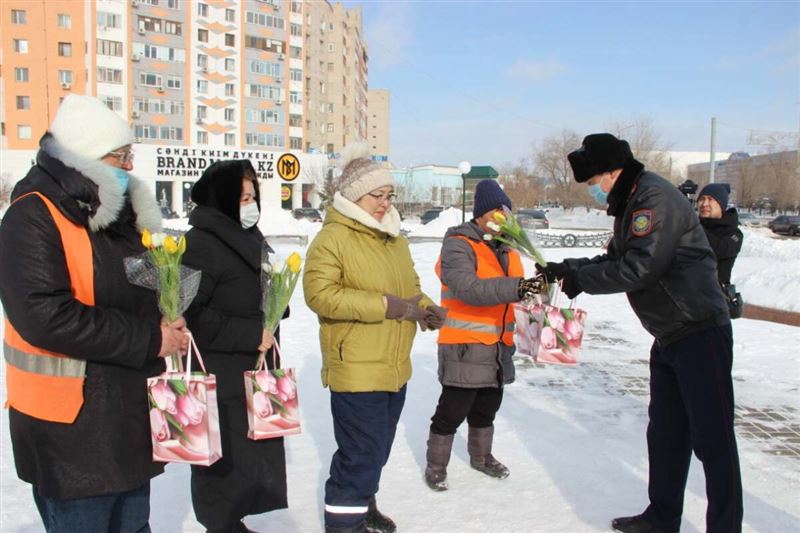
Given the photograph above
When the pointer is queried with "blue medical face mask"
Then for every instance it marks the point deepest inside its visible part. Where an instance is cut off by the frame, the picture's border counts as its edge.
(122, 176)
(596, 192)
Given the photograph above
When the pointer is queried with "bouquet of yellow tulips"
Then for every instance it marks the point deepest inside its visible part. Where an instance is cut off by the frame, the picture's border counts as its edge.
(512, 234)
(160, 269)
(278, 280)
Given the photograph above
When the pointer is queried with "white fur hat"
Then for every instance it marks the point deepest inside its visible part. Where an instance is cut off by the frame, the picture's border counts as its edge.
(360, 174)
(86, 126)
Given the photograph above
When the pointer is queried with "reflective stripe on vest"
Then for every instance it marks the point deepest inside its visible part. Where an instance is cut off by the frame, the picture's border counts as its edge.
(40, 383)
(487, 324)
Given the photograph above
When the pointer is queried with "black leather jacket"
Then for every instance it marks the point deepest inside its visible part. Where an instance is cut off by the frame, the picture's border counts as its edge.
(660, 257)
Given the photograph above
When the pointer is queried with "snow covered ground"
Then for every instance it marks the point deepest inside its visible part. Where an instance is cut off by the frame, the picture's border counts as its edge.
(574, 438)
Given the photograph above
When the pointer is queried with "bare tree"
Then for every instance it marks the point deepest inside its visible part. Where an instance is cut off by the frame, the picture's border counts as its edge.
(522, 185)
(6, 187)
(780, 173)
(551, 164)
(646, 145)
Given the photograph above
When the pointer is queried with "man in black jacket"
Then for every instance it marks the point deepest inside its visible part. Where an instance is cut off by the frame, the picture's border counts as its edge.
(721, 226)
(660, 257)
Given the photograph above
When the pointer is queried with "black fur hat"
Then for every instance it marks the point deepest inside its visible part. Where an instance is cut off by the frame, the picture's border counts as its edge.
(600, 153)
(220, 186)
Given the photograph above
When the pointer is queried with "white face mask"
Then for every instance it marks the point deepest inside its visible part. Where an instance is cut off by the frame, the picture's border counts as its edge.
(249, 215)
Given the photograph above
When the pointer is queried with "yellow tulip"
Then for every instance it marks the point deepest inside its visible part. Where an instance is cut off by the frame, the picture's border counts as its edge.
(181, 245)
(147, 241)
(293, 262)
(170, 245)
(500, 218)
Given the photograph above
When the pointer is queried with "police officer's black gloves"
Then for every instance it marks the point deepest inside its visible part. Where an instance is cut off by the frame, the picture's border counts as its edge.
(528, 288)
(570, 285)
(553, 271)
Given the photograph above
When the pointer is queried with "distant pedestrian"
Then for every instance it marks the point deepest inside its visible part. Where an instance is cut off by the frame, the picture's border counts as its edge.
(660, 257)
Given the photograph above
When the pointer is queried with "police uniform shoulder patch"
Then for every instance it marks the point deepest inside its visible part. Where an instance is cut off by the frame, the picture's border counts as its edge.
(642, 222)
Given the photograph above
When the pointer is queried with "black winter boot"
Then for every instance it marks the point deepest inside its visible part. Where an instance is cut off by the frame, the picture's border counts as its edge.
(360, 528)
(635, 524)
(438, 456)
(378, 522)
(479, 445)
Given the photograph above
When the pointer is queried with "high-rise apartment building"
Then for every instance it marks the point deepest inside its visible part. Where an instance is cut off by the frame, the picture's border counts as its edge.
(248, 75)
(378, 122)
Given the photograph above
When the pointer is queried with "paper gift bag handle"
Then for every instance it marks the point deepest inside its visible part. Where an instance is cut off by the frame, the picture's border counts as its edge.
(262, 357)
(192, 344)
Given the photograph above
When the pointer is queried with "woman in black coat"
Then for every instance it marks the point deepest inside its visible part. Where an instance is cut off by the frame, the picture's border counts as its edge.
(227, 322)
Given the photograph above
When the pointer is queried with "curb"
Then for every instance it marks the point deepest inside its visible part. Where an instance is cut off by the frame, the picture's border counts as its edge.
(756, 312)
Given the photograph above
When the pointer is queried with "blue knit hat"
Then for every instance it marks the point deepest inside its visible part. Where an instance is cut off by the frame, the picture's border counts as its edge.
(717, 191)
(488, 196)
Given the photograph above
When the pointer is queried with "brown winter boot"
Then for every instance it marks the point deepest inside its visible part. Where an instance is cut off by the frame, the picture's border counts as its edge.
(438, 456)
(479, 445)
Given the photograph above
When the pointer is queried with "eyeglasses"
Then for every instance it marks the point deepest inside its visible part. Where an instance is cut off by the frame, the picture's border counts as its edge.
(124, 157)
(383, 198)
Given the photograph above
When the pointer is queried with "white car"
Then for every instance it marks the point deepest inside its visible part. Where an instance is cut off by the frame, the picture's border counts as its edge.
(749, 220)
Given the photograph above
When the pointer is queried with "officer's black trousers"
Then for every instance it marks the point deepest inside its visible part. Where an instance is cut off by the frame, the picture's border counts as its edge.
(691, 408)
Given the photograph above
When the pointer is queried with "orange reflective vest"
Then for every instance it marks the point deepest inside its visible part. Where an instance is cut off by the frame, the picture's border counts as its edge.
(40, 383)
(485, 324)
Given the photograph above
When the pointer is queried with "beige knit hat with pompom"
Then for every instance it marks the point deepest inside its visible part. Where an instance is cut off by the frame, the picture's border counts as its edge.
(360, 174)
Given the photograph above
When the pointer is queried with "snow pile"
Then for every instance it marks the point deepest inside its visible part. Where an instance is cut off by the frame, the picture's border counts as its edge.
(273, 222)
(767, 271)
(177, 224)
(438, 226)
(579, 218)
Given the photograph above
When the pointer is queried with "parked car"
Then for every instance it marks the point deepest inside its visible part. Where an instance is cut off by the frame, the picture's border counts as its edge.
(749, 220)
(431, 214)
(166, 212)
(790, 225)
(308, 213)
(532, 218)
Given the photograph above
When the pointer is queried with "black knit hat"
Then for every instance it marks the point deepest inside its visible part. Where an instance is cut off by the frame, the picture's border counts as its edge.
(220, 186)
(488, 196)
(600, 153)
(717, 191)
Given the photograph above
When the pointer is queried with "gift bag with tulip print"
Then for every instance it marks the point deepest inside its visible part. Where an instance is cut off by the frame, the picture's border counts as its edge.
(562, 332)
(528, 316)
(272, 403)
(184, 419)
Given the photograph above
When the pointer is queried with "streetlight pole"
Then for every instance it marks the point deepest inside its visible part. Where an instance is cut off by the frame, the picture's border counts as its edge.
(464, 167)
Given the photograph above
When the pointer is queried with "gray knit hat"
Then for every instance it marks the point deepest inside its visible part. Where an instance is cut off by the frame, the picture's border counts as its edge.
(360, 174)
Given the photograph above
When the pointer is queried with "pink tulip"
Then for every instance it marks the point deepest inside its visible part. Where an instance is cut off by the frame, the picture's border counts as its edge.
(164, 396)
(548, 338)
(287, 390)
(266, 381)
(190, 410)
(556, 319)
(573, 329)
(262, 404)
(159, 425)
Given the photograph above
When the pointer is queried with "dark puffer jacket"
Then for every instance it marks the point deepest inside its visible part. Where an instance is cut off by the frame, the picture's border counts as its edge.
(725, 239)
(107, 448)
(660, 257)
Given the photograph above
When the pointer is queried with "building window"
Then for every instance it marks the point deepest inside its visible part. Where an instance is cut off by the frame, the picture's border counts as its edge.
(23, 102)
(171, 133)
(202, 61)
(296, 143)
(230, 139)
(331, 47)
(64, 21)
(173, 28)
(144, 131)
(21, 74)
(329, 148)
(261, 19)
(230, 39)
(229, 114)
(330, 67)
(230, 89)
(202, 112)
(173, 4)
(230, 15)
(296, 121)
(109, 48)
(112, 75)
(108, 20)
(296, 29)
(296, 7)
(230, 64)
(174, 83)
(295, 98)
(202, 10)
(295, 52)
(202, 86)
(23, 131)
(65, 49)
(150, 79)
(330, 127)
(65, 76)
(202, 35)
(330, 108)
(18, 16)
(20, 46)
(295, 74)
(202, 137)
(114, 103)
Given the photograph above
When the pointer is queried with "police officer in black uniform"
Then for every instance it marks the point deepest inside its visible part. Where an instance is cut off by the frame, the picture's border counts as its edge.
(660, 257)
